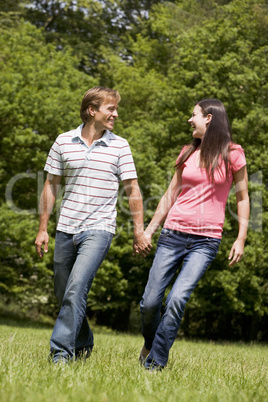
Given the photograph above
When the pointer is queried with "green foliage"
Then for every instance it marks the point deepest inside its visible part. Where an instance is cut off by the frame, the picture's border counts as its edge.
(40, 95)
(224, 56)
(22, 277)
(39, 98)
(162, 57)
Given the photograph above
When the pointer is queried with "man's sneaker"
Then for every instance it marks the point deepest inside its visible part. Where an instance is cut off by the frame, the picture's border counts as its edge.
(82, 354)
(154, 367)
(142, 359)
(143, 355)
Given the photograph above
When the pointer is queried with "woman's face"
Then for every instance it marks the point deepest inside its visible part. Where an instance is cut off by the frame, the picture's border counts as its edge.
(199, 122)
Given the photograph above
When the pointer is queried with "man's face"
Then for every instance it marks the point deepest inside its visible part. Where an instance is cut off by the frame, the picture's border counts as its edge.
(105, 117)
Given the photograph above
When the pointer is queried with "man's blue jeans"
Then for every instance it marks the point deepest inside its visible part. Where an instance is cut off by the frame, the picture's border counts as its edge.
(76, 261)
(196, 252)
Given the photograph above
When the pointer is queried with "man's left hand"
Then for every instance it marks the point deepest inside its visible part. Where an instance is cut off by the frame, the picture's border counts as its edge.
(142, 244)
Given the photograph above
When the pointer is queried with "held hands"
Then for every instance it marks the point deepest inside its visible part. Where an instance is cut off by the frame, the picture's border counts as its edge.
(142, 244)
(42, 238)
(236, 252)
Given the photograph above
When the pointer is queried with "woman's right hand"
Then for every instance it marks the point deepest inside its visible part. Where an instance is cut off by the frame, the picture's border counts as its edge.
(148, 235)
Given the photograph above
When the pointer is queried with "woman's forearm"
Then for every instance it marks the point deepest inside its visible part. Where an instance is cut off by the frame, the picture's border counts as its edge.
(165, 203)
(160, 214)
(243, 210)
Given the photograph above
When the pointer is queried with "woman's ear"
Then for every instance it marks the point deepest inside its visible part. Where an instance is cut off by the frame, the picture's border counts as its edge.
(209, 118)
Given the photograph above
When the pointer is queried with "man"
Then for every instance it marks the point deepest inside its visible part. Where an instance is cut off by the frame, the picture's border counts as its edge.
(92, 160)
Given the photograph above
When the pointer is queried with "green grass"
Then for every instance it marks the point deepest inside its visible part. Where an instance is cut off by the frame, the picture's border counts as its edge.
(197, 371)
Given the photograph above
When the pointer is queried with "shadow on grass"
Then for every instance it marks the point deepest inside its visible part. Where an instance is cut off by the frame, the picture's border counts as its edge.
(21, 321)
(43, 322)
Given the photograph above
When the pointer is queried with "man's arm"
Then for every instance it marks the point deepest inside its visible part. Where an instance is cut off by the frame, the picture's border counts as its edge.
(242, 199)
(47, 201)
(141, 244)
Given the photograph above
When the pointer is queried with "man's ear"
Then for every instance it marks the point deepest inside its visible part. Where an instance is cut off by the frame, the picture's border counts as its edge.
(91, 111)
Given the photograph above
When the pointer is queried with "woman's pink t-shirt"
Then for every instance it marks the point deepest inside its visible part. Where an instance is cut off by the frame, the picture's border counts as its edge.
(200, 206)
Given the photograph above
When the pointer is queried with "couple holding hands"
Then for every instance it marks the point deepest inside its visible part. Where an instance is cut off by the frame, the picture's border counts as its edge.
(93, 160)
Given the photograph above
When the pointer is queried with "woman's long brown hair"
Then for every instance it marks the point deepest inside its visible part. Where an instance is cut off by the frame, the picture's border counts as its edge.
(215, 146)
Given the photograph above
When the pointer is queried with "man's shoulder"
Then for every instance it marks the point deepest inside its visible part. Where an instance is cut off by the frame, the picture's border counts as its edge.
(67, 136)
(116, 139)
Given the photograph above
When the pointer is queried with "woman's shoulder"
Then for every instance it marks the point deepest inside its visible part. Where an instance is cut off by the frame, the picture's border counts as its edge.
(185, 147)
(236, 156)
(235, 147)
(183, 150)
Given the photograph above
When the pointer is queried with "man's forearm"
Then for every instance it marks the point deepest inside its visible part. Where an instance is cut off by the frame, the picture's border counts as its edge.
(136, 210)
(47, 200)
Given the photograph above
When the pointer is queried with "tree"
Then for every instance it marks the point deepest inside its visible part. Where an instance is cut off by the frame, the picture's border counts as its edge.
(40, 95)
(224, 57)
(89, 27)
(162, 57)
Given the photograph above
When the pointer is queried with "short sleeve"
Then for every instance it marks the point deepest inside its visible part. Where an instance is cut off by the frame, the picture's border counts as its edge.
(181, 153)
(126, 166)
(54, 164)
(237, 158)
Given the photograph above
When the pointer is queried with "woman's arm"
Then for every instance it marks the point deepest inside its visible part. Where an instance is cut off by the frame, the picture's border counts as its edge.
(242, 200)
(165, 204)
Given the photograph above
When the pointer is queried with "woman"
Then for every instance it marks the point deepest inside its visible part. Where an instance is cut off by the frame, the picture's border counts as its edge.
(193, 208)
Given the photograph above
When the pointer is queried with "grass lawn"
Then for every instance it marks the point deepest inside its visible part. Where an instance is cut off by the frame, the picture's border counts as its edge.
(197, 371)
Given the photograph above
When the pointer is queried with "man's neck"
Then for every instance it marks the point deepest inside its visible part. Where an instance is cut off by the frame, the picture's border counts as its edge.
(89, 134)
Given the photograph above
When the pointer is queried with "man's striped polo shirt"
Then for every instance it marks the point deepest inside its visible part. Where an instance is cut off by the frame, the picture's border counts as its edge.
(92, 175)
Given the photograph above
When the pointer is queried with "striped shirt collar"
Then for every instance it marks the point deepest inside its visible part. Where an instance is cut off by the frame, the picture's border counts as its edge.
(77, 135)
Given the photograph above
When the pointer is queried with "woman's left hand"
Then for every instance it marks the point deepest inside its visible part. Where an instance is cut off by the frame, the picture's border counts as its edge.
(236, 252)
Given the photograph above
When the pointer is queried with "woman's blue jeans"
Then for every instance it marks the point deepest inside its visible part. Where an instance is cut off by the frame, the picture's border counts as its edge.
(76, 261)
(173, 248)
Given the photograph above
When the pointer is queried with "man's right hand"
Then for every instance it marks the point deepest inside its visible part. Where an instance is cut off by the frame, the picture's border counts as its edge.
(41, 240)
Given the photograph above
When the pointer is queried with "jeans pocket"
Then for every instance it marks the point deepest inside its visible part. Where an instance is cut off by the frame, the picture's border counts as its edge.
(214, 244)
(165, 232)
